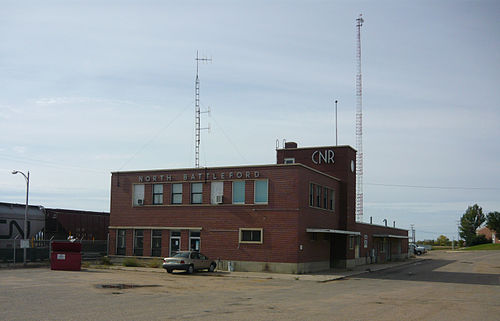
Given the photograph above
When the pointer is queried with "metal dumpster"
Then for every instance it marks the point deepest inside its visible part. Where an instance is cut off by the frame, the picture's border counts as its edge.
(66, 256)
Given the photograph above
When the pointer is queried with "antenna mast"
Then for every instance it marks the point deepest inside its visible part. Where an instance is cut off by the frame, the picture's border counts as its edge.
(197, 112)
(359, 127)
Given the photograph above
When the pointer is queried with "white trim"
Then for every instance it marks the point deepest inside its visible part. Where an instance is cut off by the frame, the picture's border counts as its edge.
(154, 228)
(391, 236)
(325, 230)
(251, 229)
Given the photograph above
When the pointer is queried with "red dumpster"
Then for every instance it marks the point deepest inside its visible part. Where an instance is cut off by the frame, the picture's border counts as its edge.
(66, 256)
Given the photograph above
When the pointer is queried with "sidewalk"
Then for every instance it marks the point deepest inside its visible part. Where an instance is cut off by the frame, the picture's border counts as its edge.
(326, 276)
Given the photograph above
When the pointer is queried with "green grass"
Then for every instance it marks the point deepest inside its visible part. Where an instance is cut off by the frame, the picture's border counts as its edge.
(484, 247)
(131, 261)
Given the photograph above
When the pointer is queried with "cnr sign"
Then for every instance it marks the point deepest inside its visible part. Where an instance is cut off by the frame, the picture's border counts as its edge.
(323, 157)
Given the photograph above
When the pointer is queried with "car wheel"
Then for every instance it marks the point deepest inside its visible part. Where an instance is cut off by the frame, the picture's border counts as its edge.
(419, 253)
(169, 271)
(212, 267)
(190, 269)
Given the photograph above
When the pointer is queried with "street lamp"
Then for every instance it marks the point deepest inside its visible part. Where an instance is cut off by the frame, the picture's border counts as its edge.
(27, 178)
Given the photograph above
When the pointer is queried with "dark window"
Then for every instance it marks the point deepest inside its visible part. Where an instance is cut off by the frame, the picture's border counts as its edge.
(176, 193)
(311, 194)
(251, 236)
(158, 194)
(138, 242)
(156, 243)
(318, 196)
(196, 193)
(120, 242)
(325, 197)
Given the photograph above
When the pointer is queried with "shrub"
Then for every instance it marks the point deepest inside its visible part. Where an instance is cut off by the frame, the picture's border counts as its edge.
(131, 261)
(106, 261)
(479, 239)
(154, 263)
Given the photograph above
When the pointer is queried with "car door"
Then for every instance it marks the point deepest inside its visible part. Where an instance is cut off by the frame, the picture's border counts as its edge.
(195, 259)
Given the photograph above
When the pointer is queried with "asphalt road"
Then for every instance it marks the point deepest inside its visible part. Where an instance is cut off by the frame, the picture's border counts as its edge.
(445, 286)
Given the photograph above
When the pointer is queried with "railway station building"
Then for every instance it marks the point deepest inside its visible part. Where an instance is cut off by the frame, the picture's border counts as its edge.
(295, 216)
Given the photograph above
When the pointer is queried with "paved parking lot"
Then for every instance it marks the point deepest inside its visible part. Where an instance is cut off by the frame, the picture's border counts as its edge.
(440, 287)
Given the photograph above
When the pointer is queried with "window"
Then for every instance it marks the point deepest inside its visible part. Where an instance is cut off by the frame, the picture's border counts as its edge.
(290, 160)
(239, 192)
(138, 242)
(325, 198)
(138, 195)
(318, 196)
(332, 200)
(351, 242)
(196, 193)
(194, 240)
(261, 189)
(156, 243)
(120, 242)
(176, 193)
(311, 194)
(216, 189)
(158, 194)
(251, 235)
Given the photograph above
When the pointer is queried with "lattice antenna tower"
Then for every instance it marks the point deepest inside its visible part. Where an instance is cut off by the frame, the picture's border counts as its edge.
(198, 112)
(359, 126)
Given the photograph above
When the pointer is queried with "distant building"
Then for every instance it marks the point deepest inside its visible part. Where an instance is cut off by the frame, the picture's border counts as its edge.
(296, 216)
(490, 234)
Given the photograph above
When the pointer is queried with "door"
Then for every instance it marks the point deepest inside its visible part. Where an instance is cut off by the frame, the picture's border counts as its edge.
(175, 242)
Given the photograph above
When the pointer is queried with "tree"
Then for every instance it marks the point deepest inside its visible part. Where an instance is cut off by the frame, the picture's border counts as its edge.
(443, 240)
(470, 221)
(493, 222)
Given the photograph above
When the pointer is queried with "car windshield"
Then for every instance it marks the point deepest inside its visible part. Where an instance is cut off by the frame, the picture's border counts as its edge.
(182, 254)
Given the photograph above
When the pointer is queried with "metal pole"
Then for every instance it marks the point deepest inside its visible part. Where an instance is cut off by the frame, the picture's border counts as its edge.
(26, 216)
(336, 136)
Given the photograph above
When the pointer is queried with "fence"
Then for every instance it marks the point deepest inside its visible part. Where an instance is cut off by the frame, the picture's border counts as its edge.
(39, 250)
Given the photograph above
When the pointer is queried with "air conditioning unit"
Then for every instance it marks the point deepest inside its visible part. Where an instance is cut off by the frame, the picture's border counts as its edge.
(140, 202)
(218, 199)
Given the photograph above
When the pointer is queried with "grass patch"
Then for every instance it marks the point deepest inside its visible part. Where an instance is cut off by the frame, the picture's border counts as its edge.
(154, 263)
(131, 261)
(484, 247)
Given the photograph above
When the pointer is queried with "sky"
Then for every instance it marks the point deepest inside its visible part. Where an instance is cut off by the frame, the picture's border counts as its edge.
(92, 87)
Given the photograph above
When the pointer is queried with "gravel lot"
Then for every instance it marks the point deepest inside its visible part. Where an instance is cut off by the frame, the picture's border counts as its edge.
(438, 288)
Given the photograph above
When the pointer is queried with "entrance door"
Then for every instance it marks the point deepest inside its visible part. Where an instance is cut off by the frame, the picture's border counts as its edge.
(175, 242)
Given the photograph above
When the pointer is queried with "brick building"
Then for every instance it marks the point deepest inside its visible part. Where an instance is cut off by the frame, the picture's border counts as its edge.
(295, 216)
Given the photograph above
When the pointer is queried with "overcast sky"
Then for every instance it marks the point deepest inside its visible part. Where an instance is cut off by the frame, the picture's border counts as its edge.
(91, 87)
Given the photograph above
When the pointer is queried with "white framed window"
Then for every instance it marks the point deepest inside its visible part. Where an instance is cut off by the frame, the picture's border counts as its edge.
(177, 193)
(290, 160)
(138, 195)
(216, 189)
(157, 194)
(261, 191)
(251, 235)
(239, 192)
(196, 193)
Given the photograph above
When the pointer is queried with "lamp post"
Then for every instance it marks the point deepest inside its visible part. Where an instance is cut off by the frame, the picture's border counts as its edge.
(25, 236)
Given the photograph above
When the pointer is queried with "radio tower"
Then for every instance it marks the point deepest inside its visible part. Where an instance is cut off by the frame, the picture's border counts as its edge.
(359, 127)
(197, 112)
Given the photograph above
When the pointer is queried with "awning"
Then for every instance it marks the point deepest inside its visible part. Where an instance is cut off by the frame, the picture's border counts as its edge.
(326, 230)
(390, 236)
